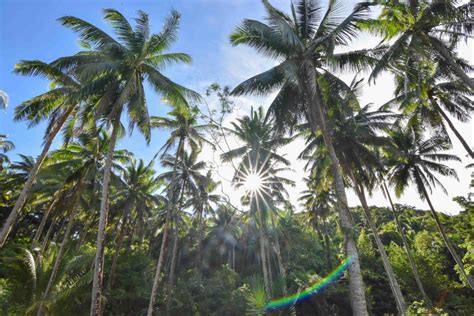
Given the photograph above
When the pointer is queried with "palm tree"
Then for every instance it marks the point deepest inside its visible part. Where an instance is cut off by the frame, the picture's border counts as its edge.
(304, 45)
(137, 193)
(29, 273)
(429, 99)
(406, 245)
(5, 145)
(58, 104)
(356, 137)
(203, 198)
(83, 158)
(259, 163)
(319, 208)
(116, 70)
(223, 231)
(187, 133)
(419, 29)
(412, 158)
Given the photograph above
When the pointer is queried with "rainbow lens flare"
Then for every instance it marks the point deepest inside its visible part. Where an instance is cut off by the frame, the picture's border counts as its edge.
(313, 289)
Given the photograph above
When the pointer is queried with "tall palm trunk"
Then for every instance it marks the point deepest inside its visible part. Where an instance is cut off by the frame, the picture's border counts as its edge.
(172, 269)
(263, 255)
(62, 247)
(174, 253)
(157, 278)
(40, 229)
(118, 246)
(281, 268)
(318, 118)
(394, 286)
(15, 212)
(104, 209)
(454, 130)
(447, 241)
(408, 251)
(200, 239)
(48, 234)
(91, 217)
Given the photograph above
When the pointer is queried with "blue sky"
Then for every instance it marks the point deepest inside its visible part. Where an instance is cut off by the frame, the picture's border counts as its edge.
(29, 30)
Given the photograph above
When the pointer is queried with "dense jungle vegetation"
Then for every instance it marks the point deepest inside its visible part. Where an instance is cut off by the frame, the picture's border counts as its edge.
(89, 227)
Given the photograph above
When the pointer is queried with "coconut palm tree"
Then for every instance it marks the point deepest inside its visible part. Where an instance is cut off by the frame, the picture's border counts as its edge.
(83, 158)
(412, 158)
(356, 137)
(319, 207)
(203, 199)
(423, 30)
(29, 273)
(431, 100)
(257, 172)
(57, 105)
(137, 193)
(116, 69)
(186, 132)
(5, 146)
(304, 45)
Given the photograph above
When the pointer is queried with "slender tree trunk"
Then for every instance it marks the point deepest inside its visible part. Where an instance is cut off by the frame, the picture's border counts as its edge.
(118, 246)
(266, 278)
(96, 298)
(130, 236)
(327, 243)
(15, 212)
(455, 131)
(200, 239)
(447, 241)
(91, 217)
(172, 269)
(58, 232)
(317, 117)
(40, 229)
(281, 268)
(448, 58)
(62, 247)
(408, 251)
(269, 261)
(48, 234)
(157, 278)
(395, 287)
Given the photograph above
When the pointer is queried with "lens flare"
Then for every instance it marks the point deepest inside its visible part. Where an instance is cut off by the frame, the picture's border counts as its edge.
(253, 182)
(313, 289)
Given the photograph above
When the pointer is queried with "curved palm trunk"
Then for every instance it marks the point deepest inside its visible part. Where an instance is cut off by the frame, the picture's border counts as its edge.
(104, 209)
(118, 246)
(318, 118)
(91, 218)
(172, 270)
(48, 234)
(394, 286)
(20, 202)
(411, 260)
(447, 241)
(281, 268)
(40, 229)
(455, 131)
(200, 239)
(60, 254)
(263, 255)
(448, 58)
(157, 278)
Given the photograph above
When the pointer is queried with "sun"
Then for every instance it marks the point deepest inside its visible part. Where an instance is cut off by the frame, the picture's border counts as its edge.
(253, 182)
